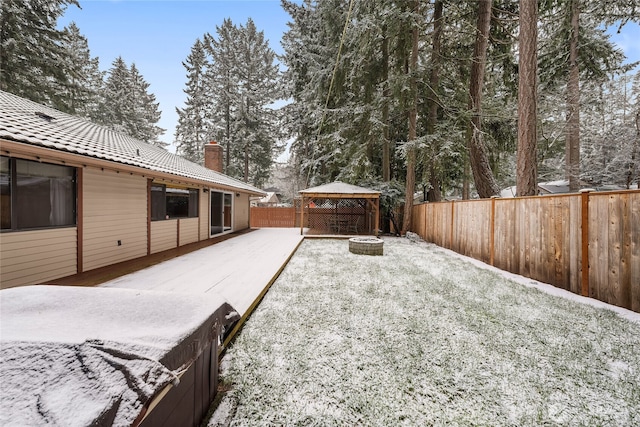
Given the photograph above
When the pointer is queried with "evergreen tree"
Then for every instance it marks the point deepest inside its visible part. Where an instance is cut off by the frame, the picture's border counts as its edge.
(222, 81)
(117, 110)
(244, 83)
(82, 93)
(351, 90)
(256, 122)
(32, 58)
(194, 124)
(576, 50)
(128, 107)
(527, 171)
(610, 138)
(146, 114)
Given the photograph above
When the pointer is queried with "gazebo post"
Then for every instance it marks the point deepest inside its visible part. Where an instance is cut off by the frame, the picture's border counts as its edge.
(302, 216)
(377, 221)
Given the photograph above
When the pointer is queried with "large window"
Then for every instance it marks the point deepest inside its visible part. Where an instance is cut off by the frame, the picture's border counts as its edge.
(36, 195)
(170, 203)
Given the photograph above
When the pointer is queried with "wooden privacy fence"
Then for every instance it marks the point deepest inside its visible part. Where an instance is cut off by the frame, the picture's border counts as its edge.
(273, 217)
(548, 238)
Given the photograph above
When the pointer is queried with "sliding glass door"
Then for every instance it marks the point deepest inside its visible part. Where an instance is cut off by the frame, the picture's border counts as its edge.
(221, 212)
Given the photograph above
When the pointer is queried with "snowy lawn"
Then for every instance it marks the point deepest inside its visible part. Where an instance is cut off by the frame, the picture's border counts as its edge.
(421, 337)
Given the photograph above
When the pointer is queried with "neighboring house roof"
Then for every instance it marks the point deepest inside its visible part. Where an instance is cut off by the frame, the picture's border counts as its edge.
(562, 187)
(554, 187)
(340, 188)
(271, 197)
(25, 121)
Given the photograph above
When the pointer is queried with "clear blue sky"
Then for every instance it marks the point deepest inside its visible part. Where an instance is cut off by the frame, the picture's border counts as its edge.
(157, 36)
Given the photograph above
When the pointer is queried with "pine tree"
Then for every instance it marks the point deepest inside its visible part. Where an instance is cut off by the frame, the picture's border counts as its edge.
(258, 88)
(244, 83)
(32, 59)
(482, 174)
(128, 106)
(193, 130)
(413, 117)
(527, 171)
(568, 26)
(145, 111)
(222, 80)
(311, 47)
(117, 109)
(82, 93)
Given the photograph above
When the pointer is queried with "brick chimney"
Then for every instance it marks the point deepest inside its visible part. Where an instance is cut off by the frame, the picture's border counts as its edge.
(213, 156)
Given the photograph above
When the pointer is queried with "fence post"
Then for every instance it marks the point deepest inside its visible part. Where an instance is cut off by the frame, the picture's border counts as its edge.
(301, 215)
(584, 194)
(452, 223)
(425, 222)
(492, 237)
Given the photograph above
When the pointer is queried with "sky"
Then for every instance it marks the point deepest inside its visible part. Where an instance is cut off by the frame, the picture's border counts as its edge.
(157, 35)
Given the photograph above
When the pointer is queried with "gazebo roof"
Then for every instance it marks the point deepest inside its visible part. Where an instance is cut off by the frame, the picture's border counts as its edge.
(340, 190)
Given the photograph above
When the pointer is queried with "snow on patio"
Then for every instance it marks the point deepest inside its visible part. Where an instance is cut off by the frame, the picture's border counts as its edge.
(421, 337)
(238, 269)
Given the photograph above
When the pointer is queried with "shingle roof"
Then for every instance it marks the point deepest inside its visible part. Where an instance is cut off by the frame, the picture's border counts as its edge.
(25, 121)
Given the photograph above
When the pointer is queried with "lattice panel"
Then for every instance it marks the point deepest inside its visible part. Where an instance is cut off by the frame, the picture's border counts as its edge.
(338, 216)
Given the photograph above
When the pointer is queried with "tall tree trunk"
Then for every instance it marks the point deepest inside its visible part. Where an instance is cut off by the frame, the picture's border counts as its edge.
(246, 162)
(434, 194)
(526, 169)
(227, 119)
(386, 93)
(413, 116)
(572, 157)
(483, 176)
(466, 178)
(635, 153)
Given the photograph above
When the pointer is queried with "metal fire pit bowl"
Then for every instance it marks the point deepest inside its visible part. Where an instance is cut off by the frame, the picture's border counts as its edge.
(366, 245)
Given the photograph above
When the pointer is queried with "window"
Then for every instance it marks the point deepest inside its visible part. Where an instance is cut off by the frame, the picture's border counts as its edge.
(36, 195)
(170, 202)
(5, 193)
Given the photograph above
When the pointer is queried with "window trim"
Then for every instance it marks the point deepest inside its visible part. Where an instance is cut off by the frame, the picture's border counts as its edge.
(13, 185)
(192, 212)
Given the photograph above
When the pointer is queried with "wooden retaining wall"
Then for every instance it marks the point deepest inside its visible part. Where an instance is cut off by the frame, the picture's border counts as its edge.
(548, 238)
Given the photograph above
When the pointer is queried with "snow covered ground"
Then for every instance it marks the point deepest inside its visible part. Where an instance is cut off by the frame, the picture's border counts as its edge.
(238, 269)
(423, 337)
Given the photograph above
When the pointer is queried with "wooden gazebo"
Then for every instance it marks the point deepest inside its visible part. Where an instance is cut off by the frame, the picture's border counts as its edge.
(340, 208)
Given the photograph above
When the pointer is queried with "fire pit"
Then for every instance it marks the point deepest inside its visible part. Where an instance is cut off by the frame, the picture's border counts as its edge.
(366, 245)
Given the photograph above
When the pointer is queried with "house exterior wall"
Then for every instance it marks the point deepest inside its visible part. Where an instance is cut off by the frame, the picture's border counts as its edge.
(188, 231)
(30, 257)
(241, 212)
(164, 235)
(115, 210)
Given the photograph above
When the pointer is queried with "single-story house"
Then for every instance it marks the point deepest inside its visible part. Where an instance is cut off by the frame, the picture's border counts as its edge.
(76, 196)
(271, 199)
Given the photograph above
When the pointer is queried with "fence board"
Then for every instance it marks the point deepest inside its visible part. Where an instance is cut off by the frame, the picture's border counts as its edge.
(541, 238)
(273, 217)
(634, 251)
(598, 247)
(573, 250)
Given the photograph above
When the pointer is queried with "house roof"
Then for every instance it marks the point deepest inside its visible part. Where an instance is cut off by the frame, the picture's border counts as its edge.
(31, 123)
(338, 188)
